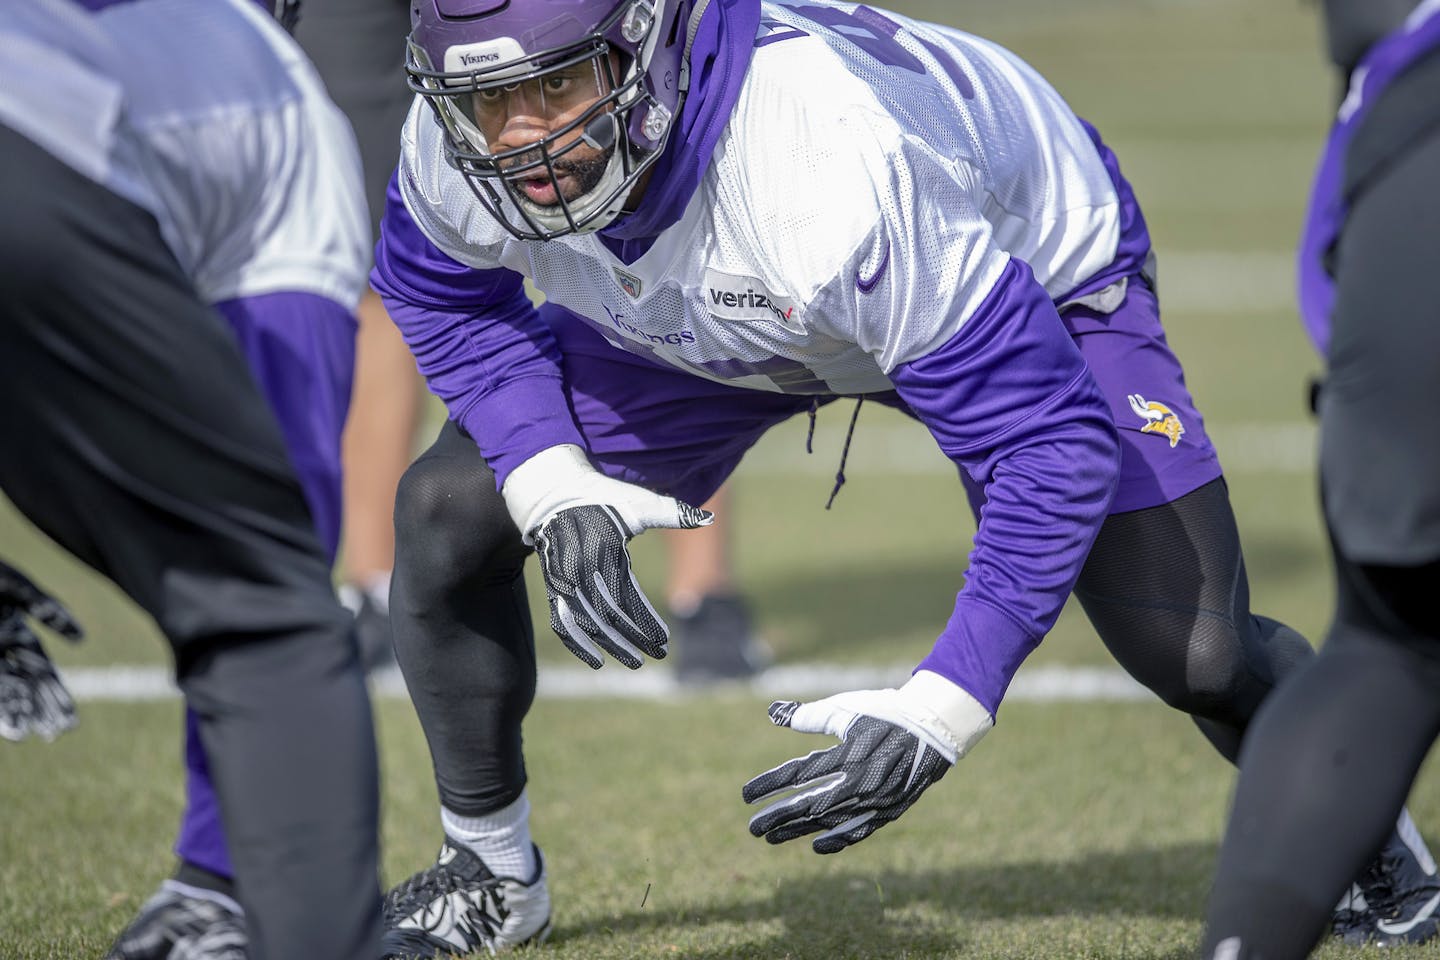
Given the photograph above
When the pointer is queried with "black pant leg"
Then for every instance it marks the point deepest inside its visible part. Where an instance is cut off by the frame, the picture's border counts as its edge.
(1324, 772)
(1380, 406)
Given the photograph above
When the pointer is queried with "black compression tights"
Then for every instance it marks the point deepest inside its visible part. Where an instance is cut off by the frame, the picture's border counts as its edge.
(461, 622)
(1165, 588)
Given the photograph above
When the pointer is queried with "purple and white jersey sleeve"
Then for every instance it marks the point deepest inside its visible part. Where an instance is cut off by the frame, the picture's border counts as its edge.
(1010, 400)
(477, 339)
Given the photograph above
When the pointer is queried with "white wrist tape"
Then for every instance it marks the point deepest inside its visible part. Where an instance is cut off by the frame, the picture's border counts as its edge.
(546, 483)
(945, 709)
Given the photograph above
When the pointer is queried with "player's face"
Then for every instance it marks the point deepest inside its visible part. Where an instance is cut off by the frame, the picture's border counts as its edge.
(514, 116)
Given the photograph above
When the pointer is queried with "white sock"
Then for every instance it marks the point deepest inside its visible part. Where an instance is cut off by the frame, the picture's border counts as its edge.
(377, 588)
(501, 838)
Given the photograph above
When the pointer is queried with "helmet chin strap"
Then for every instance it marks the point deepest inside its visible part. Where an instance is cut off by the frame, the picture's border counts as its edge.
(691, 28)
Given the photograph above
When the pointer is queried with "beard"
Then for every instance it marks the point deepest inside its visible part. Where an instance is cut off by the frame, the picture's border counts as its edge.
(580, 175)
(584, 174)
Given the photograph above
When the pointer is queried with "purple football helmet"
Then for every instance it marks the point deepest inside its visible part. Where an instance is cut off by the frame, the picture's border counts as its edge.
(464, 54)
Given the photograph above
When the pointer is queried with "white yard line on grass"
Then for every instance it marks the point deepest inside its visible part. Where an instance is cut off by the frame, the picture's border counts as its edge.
(1227, 282)
(1041, 683)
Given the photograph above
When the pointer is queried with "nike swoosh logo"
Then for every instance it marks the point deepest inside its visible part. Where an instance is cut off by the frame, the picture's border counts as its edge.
(867, 285)
(444, 919)
(1398, 929)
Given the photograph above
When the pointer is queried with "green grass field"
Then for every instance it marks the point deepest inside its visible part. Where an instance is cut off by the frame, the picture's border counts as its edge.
(1081, 830)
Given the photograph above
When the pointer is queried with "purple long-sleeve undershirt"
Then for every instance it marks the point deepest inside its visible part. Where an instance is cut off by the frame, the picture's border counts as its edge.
(1010, 400)
(476, 337)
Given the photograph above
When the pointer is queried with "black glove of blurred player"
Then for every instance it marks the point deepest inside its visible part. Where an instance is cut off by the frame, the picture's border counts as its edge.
(32, 698)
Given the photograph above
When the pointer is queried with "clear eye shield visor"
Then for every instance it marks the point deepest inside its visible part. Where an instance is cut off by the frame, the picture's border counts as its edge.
(541, 138)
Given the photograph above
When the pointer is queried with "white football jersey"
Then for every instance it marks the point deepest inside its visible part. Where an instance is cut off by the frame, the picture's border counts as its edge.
(863, 200)
(206, 114)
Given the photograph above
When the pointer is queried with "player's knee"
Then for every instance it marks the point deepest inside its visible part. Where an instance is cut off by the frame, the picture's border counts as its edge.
(1231, 667)
(1192, 662)
(449, 529)
(1217, 676)
(1284, 649)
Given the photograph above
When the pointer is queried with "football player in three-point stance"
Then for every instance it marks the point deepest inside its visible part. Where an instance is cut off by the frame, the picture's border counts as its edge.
(739, 211)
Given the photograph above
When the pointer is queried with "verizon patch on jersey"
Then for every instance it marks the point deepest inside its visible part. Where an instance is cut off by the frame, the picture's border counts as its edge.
(729, 297)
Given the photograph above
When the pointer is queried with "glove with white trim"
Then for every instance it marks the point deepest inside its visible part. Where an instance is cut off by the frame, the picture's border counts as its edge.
(894, 744)
(32, 698)
(580, 523)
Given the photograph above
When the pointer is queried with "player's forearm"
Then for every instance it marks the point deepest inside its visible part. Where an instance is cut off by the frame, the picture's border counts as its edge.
(1044, 506)
(479, 342)
(510, 400)
(1010, 400)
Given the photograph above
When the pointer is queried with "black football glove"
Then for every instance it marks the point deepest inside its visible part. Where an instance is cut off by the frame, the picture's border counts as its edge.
(32, 698)
(595, 602)
(581, 522)
(894, 745)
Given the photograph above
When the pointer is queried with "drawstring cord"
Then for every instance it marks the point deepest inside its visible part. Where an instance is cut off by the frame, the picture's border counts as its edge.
(810, 434)
(844, 451)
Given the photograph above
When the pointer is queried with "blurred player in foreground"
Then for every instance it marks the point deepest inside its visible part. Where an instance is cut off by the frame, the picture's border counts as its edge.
(176, 183)
(739, 212)
(1334, 754)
